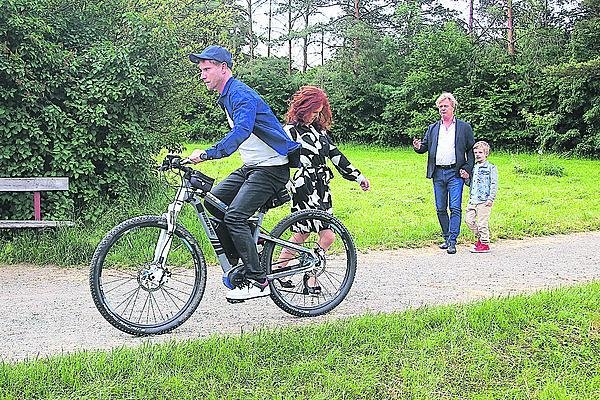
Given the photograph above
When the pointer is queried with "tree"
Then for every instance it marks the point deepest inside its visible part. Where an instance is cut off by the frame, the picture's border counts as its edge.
(249, 10)
(82, 97)
(93, 92)
(510, 33)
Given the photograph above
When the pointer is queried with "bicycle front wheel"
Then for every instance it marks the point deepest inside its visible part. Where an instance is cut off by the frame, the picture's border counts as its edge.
(310, 289)
(136, 294)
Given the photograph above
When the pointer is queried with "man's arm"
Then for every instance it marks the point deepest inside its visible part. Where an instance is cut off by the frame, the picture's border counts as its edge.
(244, 116)
(422, 145)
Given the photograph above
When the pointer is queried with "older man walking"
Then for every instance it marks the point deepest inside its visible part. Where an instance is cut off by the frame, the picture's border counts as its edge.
(449, 143)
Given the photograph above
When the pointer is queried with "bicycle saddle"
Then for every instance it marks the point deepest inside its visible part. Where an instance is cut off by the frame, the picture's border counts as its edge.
(280, 197)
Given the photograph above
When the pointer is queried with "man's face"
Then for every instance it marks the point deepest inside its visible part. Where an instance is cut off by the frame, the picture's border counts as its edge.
(445, 108)
(479, 154)
(212, 74)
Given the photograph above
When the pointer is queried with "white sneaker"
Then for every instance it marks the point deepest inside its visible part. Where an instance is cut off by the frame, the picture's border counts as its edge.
(250, 291)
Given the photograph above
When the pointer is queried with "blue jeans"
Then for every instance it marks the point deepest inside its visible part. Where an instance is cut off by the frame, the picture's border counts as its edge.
(448, 188)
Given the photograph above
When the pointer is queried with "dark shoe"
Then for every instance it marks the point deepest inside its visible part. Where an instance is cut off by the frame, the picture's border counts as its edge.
(451, 248)
(285, 283)
(444, 246)
(310, 289)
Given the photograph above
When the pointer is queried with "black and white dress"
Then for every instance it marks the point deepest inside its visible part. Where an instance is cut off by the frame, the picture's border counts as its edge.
(310, 184)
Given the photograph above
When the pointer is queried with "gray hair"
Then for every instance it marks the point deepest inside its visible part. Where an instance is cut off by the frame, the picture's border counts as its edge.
(448, 96)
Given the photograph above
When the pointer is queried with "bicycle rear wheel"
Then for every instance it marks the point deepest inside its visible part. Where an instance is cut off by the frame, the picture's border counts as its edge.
(139, 296)
(333, 273)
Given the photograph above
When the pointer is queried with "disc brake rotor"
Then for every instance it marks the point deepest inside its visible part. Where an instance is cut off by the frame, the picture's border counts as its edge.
(152, 277)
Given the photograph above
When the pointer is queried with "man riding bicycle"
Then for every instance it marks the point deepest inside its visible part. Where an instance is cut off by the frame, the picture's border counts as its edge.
(264, 148)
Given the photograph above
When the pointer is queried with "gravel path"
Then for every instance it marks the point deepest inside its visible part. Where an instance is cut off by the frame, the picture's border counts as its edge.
(47, 310)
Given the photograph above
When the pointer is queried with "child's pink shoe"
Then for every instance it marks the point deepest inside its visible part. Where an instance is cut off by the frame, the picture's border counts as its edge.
(480, 248)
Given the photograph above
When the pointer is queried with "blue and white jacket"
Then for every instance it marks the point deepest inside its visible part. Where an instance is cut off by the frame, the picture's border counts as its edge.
(484, 183)
(249, 115)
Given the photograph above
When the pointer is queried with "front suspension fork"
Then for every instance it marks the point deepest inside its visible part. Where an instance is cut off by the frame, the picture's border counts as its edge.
(165, 238)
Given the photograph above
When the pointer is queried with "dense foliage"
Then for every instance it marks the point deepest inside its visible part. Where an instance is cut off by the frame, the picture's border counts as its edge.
(79, 89)
(385, 75)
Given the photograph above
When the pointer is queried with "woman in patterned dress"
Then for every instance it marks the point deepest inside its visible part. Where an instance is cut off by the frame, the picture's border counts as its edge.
(308, 120)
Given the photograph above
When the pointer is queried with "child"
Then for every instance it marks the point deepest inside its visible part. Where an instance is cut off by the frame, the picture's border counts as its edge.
(484, 185)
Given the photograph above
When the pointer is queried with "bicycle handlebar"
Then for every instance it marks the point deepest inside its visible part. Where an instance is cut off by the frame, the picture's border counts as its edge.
(174, 161)
(196, 179)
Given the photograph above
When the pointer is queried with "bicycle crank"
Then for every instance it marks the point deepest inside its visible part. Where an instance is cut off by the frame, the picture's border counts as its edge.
(234, 277)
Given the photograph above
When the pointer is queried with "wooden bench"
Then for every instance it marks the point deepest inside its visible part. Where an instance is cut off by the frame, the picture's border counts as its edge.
(35, 185)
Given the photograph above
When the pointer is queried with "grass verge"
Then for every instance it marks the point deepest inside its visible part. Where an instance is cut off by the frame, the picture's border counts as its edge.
(541, 346)
(538, 195)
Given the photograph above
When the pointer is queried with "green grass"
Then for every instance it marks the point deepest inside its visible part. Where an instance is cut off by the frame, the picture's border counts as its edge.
(538, 195)
(542, 346)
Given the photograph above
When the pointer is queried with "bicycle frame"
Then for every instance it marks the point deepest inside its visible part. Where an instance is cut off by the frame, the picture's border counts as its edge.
(188, 194)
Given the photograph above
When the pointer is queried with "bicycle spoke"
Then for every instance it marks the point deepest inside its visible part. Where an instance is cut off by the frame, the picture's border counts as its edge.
(172, 295)
(134, 298)
(118, 286)
(168, 298)
(134, 292)
(187, 283)
(143, 308)
(157, 308)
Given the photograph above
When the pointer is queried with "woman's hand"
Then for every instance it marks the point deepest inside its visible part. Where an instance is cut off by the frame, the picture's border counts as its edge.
(364, 184)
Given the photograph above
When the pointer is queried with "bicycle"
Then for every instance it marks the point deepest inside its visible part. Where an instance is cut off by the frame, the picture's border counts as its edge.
(148, 274)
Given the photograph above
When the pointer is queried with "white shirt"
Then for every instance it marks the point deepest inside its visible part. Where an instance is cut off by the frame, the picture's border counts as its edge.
(445, 153)
(255, 152)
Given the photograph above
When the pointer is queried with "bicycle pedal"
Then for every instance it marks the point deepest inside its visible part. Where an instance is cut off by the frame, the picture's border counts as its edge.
(286, 283)
(231, 301)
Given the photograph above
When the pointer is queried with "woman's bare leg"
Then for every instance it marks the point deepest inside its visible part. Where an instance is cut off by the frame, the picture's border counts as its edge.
(286, 254)
(326, 239)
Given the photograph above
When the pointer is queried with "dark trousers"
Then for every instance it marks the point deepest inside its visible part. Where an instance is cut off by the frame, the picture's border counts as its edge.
(448, 188)
(245, 190)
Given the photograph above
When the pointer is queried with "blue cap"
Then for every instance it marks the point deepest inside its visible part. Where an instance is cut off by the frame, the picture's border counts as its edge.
(216, 53)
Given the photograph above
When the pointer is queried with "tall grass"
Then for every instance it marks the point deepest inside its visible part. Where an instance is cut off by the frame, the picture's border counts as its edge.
(538, 195)
(544, 346)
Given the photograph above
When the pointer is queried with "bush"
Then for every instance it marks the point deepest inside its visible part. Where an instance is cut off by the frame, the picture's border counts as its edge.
(81, 96)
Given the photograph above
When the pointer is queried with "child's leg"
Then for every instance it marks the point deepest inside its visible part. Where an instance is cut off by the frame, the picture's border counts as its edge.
(470, 216)
(483, 217)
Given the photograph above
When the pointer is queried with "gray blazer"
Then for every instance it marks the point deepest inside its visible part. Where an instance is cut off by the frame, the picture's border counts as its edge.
(463, 145)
